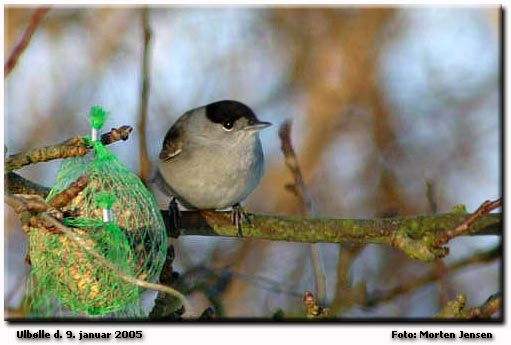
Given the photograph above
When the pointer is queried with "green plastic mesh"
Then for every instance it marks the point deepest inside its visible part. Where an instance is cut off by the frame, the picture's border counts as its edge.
(135, 209)
(62, 269)
(135, 241)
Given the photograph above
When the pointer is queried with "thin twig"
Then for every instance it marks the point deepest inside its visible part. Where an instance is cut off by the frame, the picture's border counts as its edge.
(314, 308)
(319, 274)
(431, 196)
(455, 309)
(116, 134)
(164, 306)
(345, 294)
(415, 283)
(261, 282)
(485, 208)
(306, 204)
(492, 305)
(144, 97)
(25, 39)
(443, 285)
(18, 204)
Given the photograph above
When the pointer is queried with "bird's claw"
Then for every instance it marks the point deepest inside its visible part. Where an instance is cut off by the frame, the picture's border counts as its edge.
(174, 213)
(239, 215)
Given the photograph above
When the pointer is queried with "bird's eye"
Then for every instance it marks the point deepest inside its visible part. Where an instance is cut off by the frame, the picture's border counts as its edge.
(228, 125)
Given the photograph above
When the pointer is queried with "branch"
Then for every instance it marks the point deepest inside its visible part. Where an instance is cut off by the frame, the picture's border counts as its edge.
(26, 207)
(144, 96)
(414, 283)
(63, 198)
(19, 185)
(485, 208)
(345, 294)
(414, 235)
(313, 309)
(116, 134)
(492, 305)
(298, 188)
(455, 309)
(74, 147)
(306, 204)
(25, 39)
(70, 148)
(443, 284)
(165, 307)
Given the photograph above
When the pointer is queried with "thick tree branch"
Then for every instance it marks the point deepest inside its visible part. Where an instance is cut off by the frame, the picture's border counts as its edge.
(27, 207)
(63, 198)
(74, 147)
(415, 235)
(19, 185)
(70, 148)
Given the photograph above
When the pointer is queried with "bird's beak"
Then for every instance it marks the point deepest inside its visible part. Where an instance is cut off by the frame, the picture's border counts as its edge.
(257, 126)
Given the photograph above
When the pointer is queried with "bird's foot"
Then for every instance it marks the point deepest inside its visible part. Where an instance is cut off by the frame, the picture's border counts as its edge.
(174, 213)
(239, 215)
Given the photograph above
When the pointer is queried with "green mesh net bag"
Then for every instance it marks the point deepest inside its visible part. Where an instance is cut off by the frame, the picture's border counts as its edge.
(63, 270)
(130, 232)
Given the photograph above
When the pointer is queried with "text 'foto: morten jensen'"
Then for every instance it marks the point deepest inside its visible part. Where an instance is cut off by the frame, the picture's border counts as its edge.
(441, 335)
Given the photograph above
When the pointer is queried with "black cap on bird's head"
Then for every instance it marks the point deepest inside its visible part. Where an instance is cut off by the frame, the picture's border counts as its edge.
(228, 112)
(220, 122)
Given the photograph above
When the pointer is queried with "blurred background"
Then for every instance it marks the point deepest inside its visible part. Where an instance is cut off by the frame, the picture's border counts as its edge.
(388, 105)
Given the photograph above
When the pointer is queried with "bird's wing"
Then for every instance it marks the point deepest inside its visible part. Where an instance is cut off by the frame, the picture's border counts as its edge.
(173, 143)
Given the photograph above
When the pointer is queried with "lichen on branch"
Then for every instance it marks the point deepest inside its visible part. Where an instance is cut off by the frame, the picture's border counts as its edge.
(74, 147)
(414, 235)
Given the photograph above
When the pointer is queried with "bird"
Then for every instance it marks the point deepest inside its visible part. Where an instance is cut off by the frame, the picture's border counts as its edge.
(211, 158)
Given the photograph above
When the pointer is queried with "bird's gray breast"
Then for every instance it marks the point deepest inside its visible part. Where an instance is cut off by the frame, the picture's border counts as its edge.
(214, 176)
